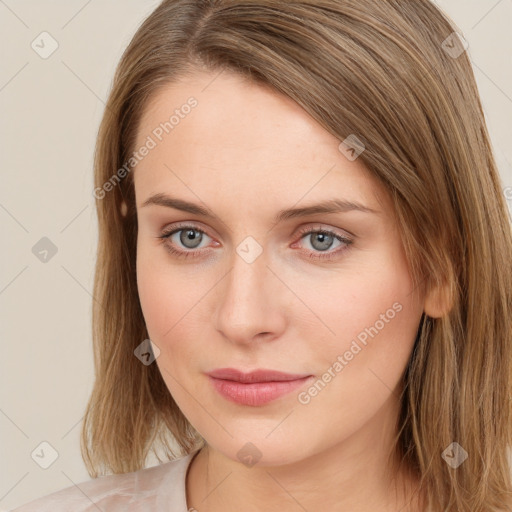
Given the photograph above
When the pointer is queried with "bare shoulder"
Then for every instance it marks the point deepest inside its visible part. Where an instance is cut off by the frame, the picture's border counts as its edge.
(150, 489)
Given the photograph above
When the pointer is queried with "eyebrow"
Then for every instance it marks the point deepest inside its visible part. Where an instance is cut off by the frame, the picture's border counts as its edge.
(328, 206)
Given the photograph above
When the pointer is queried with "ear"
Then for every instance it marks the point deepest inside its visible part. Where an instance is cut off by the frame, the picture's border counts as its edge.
(438, 301)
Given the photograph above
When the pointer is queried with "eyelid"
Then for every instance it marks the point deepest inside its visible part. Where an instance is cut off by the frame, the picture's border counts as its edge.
(167, 231)
(317, 226)
(184, 224)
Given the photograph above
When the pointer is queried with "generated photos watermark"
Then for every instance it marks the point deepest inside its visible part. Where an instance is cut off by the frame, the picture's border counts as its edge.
(158, 133)
(304, 397)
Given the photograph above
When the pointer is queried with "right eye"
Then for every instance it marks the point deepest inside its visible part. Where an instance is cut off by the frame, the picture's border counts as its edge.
(187, 236)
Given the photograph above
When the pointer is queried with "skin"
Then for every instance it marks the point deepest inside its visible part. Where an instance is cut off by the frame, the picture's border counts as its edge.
(246, 152)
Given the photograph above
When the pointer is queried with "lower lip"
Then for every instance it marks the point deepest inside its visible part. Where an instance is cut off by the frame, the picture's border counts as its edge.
(257, 393)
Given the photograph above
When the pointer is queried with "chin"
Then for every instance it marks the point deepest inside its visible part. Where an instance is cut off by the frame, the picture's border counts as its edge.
(261, 452)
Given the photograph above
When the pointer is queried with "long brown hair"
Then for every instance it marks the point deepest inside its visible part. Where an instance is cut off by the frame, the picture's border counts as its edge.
(394, 74)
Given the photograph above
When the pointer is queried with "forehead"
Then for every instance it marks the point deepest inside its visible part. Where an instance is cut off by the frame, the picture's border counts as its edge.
(243, 139)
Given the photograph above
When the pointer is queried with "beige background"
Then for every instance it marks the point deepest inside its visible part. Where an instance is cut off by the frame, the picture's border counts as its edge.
(51, 109)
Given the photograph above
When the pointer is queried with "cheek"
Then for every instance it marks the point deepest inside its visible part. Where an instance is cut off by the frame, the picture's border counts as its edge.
(163, 296)
(378, 308)
(171, 304)
(156, 300)
(171, 309)
(374, 323)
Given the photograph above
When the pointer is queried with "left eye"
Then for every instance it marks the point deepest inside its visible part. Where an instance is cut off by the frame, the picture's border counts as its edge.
(321, 240)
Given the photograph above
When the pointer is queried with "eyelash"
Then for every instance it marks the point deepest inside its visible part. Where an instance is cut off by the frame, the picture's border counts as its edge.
(305, 231)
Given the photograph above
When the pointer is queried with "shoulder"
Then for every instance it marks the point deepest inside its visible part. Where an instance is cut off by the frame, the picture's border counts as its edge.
(154, 489)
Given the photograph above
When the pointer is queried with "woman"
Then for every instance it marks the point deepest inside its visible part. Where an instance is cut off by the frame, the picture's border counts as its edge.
(303, 281)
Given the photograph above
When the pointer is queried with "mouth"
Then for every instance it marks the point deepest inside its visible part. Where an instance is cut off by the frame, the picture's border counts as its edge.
(254, 388)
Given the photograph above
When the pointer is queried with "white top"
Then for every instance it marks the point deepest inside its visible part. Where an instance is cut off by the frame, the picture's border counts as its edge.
(157, 489)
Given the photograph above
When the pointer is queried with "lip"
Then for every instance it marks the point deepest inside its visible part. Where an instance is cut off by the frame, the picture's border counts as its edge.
(254, 388)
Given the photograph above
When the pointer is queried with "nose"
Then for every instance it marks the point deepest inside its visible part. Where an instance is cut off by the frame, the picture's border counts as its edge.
(250, 302)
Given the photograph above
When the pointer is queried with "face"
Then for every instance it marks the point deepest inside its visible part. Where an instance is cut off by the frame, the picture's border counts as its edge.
(324, 296)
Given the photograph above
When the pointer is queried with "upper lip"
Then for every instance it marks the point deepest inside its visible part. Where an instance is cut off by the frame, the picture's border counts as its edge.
(259, 375)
